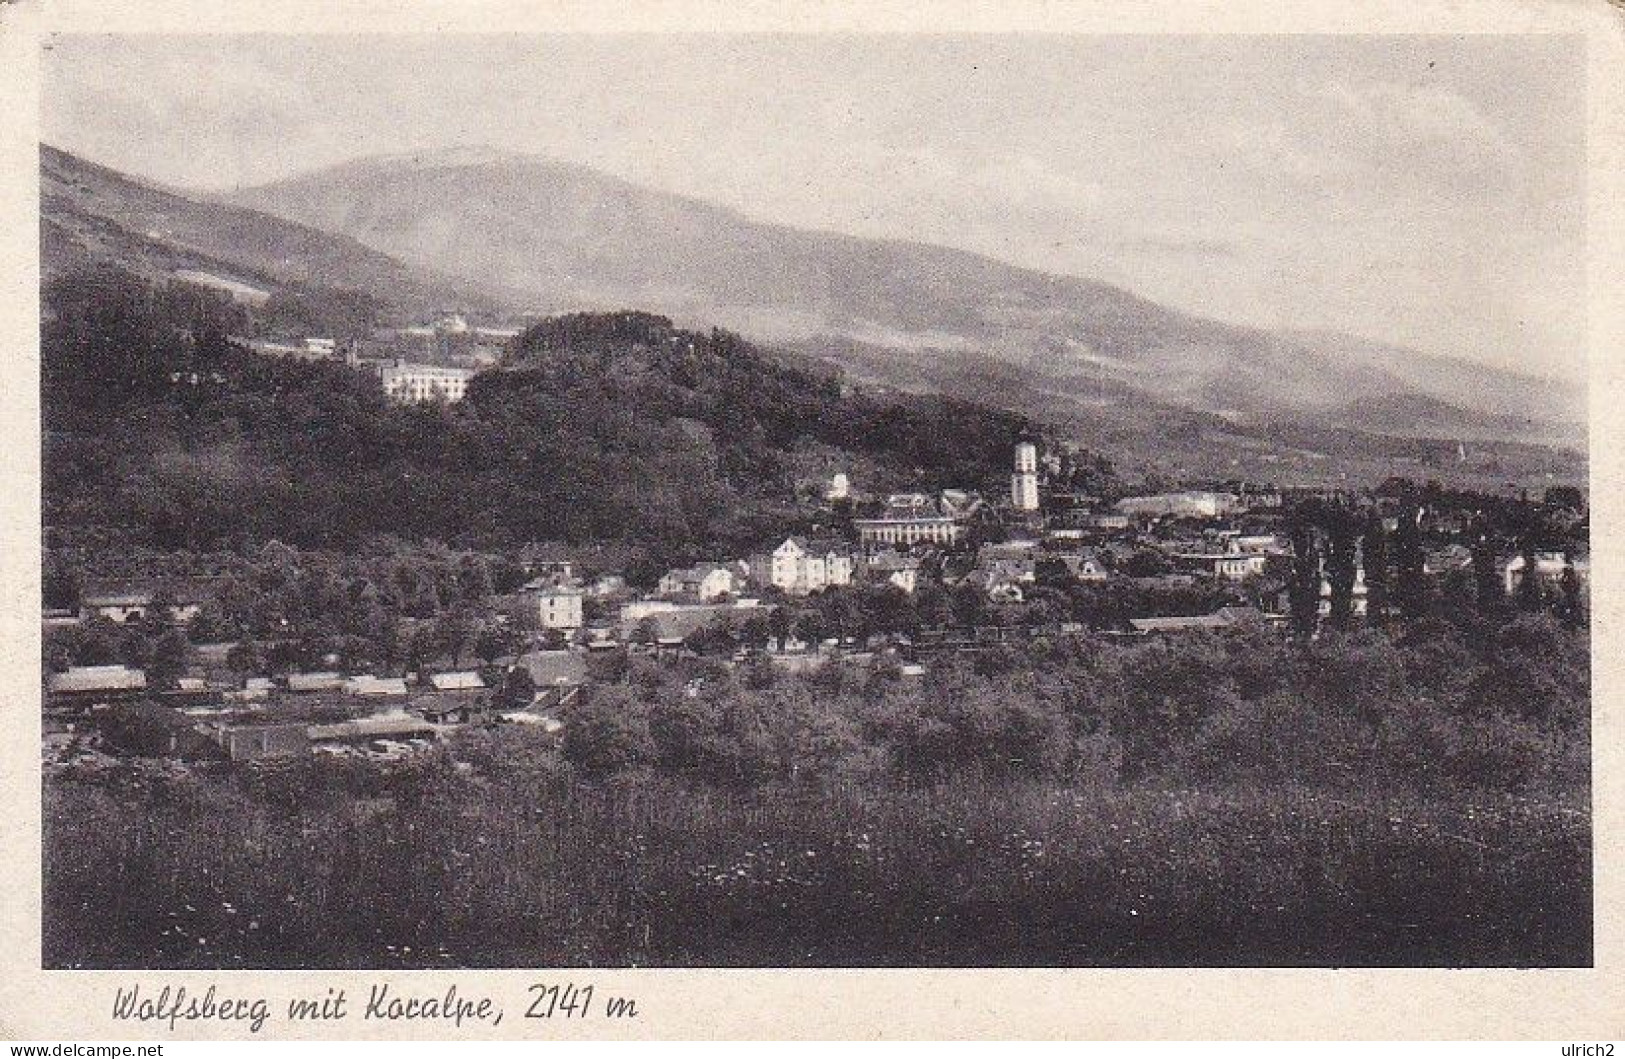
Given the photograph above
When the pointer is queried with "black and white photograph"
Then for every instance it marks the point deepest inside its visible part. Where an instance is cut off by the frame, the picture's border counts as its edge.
(813, 500)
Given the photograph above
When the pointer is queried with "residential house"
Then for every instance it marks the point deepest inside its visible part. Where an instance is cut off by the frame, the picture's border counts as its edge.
(1549, 567)
(557, 675)
(461, 681)
(800, 566)
(1085, 567)
(252, 742)
(368, 686)
(83, 685)
(558, 602)
(1190, 503)
(307, 683)
(896, 569)
(409, 383)
(126, 601)
(1231, 566)
(705, 582)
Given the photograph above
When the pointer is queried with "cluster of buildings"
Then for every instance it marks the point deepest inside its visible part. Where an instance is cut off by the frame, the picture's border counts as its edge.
(433, 361)
(301, 712)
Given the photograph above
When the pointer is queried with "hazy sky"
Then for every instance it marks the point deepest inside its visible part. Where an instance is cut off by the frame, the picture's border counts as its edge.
(1421, 190)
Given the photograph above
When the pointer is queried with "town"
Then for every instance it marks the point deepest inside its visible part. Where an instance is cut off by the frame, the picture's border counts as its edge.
(896, 580)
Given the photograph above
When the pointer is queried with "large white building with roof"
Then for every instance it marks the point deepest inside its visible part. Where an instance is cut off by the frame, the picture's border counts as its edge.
(423, 382)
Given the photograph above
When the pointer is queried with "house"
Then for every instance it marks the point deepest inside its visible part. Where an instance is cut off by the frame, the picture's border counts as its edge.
(306, 683)
(191, 693)
(705, 582)
(999, 586)
(252, 742)
(893, 568)
(463, 681)
(448, 708)
(1223, 618)
(1005, 591)
(254, 689)
(1085, 567)
(116, 607)
(606, 585)
(558, 602)
(1231, 566)
(548, 559)
(91, 684)
(1190, 503)
(368, 686)
(557, 675)
(395, 726)
(125, 601)
(1257, 544)
(800, 566)
(1549, 567)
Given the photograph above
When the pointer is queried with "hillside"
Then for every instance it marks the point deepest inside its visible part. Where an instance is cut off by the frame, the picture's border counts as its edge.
(93, 215)
(566, 237)
(607, 428)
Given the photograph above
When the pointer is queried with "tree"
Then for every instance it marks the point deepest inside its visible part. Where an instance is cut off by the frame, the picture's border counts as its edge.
(494, 641)
(518, 690)
(1147, 562)
(1530, 592)
(969, 602)
(62, 584)
(1571, 607)
(608, 733)
(1342, 565)
(1374, 558)
(1488, 590)
(135, 648)
(1410, 585)
(171, 654)
(1565, 496)
(1303, 590)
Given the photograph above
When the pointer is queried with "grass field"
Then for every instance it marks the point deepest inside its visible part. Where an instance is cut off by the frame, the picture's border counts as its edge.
(650, 871)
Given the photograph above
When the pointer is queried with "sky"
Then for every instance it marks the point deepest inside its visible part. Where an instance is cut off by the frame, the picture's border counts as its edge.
(1421, 190)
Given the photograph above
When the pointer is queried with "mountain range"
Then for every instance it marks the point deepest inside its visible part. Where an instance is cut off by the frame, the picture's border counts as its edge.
(495, 231)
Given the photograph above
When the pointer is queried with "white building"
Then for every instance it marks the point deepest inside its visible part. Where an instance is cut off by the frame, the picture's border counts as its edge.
(840, 487)
(798, 566)
(1024, 483)
(915, 518)
(424, 382)
(1549, 567)
(706, 582)
(1191, 503)
(558, 604)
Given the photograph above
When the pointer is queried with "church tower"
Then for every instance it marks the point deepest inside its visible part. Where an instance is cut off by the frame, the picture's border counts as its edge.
(1024, 483)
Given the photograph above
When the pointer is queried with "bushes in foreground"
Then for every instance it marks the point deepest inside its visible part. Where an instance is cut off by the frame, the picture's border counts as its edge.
(1427, 708)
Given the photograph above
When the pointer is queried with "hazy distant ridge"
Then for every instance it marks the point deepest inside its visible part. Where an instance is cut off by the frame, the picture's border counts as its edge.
(565, 236)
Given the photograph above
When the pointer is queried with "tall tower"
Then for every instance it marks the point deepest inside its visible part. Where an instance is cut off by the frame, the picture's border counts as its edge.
(1024, 483)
